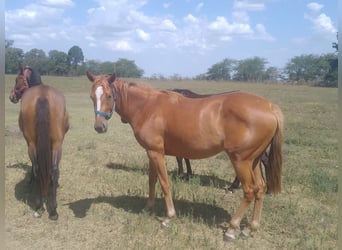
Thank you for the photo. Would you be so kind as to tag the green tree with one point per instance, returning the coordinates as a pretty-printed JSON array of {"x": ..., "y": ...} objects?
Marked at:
[
  {"x": 221, "y": 70},
  {"x": 330, "y": 77},
  {"x": 58, "y": 63},
  {"x": 75, "y": 58},
  {"x": 127, "y": 68},
  {"x": 250, "y": 69},
  {"x": 93, "y": 66},
  {"x": 106, "y": 67},
  {"x": 13, "y": 56},
  {"x": 36, "y": 58},
  {"x": 310, "y": 67},
  {"x": 271, "y": 74}
]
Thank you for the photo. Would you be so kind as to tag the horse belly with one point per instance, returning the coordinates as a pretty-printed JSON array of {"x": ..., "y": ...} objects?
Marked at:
[{"x": 196, "y": 147}]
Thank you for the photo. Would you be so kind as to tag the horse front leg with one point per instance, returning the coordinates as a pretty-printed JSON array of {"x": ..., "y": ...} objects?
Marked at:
[
  {"x": 158, "y": 164},
  {"x": 152, "y": 179}
]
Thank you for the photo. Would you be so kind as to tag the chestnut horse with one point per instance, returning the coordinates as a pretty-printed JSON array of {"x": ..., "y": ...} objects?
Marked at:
[
  {"x": 187, "y": 93},
  {"x": 241, "y": 124},
  {"x": 236, "y": 182},
  {"x": 43, "y": 120}
]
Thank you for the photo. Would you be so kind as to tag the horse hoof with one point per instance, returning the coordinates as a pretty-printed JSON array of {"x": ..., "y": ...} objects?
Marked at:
[
  {"x": 53, "y": 216},
  {"x": 247, "y": 232},
  {"x": 229, "y": 191},
  {"x": 228, "y": 236},
  {"x": 165, "y": 223},
  {"x": 147, "y": 211},
  {"x": 36, "y": 214}
]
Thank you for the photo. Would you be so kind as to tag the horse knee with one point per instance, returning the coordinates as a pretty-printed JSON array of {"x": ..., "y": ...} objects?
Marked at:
[{"x": 249, "y": 195}]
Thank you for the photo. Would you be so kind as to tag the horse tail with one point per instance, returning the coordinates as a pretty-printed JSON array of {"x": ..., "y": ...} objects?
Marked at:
[
  {"x": 44, "y": 151},
  {"x": 274, "y": 169}
]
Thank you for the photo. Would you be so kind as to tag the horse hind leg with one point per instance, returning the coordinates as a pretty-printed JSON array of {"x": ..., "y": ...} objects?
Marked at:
[
  {"x": 180, "y": 167},
  {"x": 52, "y": 193},
  {"x": 34, "y": 179},
  {"x": 235, "y": 185},
  {"x": 245, "y": 174},
  {"x": 258, "y": 203},
  {"x": 188, "y": 169}
]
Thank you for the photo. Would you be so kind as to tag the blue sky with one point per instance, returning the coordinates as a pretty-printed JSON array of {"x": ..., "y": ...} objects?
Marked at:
[{"x": 182, "y": 37}]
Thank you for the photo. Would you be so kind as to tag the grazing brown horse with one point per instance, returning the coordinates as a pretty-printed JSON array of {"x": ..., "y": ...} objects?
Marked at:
[
  {"x": 236, "y": 182},
  {"x": 43, "y": 120},
  {"x": 241, "y": 124}
]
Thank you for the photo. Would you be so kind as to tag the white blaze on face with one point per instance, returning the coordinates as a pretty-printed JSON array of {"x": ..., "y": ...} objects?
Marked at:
[{"x": 98, "y": 93}]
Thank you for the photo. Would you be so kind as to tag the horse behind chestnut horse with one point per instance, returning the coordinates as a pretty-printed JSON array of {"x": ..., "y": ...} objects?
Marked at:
[
  {"x": 44, "y": 121},
  {"x": 241, "y": 124}
]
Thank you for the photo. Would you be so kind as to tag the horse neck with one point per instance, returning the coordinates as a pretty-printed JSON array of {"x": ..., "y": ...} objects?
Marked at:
[{"x": 131, "y": 99}]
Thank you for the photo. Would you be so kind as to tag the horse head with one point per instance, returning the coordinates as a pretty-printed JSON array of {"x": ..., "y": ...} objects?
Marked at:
[
  {"x": 103, "y": 95},
  {"x": 21, "y": 84}
]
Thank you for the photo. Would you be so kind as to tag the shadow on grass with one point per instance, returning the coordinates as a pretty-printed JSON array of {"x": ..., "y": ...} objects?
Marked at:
[
  {"x": 20, "y": 165},
  {"x": 23, "y": 189},
  {"x": 204, "y": 180},
  {"x": 119, "y": 166},
  {"x": 201, "y": 212}
]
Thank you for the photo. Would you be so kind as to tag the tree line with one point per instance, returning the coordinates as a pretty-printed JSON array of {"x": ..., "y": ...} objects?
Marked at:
[
  {"x": 318, "y": 70},
  {"x": 60, "y": 63}
]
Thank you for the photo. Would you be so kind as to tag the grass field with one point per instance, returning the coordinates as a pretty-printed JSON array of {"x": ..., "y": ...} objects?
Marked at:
[{"x": 103, "y": 181}]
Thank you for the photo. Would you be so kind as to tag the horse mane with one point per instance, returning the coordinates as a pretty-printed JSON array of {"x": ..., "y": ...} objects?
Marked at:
[{"x": 34, "y": 79}]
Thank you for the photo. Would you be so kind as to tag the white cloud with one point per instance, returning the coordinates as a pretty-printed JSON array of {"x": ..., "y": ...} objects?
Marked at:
[
  {"x": 166, "y": 5},
  {"x": 314, "y": 6},
  {"x": 222, "y": 25},
  {"x": 143, "y": 35},
  {"x": 240, "y": 16},
  {"x": 160, "y": 46},
  {"x": 261, "y": 33},
  {"x": 248, "y": 6},
  {"x": 120, "y": 45},
  {"x": 167, "y": 25},
  {"x": 199, "y": 7},
  {"x": 191, "y": 19},
  {"x": 57, "y": 3},
  {"x": 321, "y": 23}
]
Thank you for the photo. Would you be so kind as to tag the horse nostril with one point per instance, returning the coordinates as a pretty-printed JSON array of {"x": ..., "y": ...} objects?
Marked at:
[{"x": 100, "y": 128}]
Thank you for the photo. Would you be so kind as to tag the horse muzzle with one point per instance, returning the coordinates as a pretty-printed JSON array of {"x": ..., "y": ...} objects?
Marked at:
[
  {"x": 101, "y": 126},
  {"x": 13, "y": 99}
]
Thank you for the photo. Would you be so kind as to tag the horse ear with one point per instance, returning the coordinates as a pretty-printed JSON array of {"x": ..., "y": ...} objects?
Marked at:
[
  {"x": 111, "y": 79},
  {"x": 90, "y": 76},
  {"x": 21, "y": 68}
]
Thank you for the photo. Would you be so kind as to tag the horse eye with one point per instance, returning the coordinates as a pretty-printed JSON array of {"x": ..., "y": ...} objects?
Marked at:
[{"x": 109, "y": 96}]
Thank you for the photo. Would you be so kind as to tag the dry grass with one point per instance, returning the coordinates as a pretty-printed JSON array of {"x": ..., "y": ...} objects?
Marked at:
[{"x": 104, "y": 185}]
